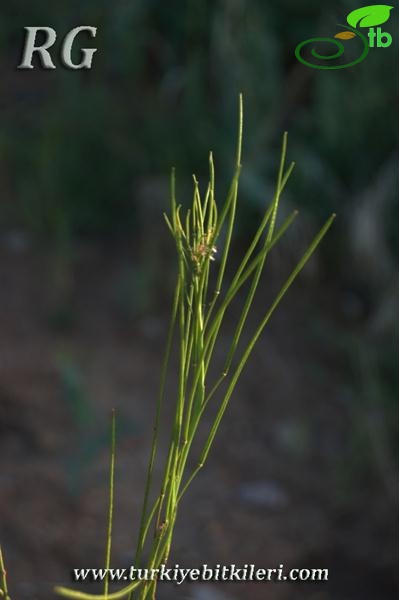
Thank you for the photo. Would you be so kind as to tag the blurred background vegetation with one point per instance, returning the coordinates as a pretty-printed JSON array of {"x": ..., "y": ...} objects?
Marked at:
[
  {"x": 85, "y": 160},
  {"x": 164, "y": 88}
]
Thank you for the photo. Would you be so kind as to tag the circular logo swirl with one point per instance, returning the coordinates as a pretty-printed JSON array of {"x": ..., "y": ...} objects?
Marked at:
[{"x": 340, "y": 51}]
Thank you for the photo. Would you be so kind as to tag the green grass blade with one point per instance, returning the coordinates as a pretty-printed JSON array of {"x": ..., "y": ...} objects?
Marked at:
[{"x": 111, "y": 505}]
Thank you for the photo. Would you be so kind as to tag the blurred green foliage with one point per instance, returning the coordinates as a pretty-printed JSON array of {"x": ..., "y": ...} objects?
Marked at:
[{"x": 163, "y": 91}]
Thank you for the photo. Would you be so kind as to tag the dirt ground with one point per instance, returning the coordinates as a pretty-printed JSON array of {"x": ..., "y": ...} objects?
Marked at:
[{"x": 282, "y": 486}]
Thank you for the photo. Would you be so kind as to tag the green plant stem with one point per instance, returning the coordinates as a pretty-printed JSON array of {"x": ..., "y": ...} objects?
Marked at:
[
  {"x": 251, "y": 345},
  {"x": 198, "y": 315},
  {"x": 3, "y": 578},
  {"x": 111, "y": 506},
  {"x": 143, "y": 527}
]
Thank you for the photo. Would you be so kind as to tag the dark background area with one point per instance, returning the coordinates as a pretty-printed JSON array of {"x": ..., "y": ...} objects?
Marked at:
[{"x": 305, "y": 471}]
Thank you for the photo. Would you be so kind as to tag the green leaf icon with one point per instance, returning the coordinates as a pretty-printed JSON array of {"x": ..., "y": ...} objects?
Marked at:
[{"x": 369, "y": 16}]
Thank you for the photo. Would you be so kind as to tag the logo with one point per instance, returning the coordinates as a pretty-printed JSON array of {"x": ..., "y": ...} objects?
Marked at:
[
  {"x": 31, "y": 48},
  {"x": 370, "y": 17}
]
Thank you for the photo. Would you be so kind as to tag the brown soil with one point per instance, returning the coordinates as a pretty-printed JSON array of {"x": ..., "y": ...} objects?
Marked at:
[{"x": 282, "y": 484}]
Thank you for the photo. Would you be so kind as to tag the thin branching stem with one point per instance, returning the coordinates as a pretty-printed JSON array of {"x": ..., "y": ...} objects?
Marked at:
[{"x": 198, "y": 317}]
